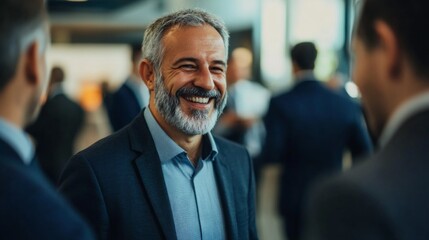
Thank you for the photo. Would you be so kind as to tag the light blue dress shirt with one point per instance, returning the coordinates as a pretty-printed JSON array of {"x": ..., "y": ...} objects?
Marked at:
[
  {"x": 192, "y": 191},
  {"x": 17, "y": 139}
]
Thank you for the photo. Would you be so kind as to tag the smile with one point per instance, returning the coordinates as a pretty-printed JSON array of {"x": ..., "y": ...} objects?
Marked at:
[{"x": 202, "y": 100}]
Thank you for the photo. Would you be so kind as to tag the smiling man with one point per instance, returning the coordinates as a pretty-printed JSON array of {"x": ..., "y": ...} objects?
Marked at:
[{"x": 165, "y": 176}]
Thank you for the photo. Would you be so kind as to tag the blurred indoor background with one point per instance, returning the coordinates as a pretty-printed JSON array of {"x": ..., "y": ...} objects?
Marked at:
[{"x": 91, "y": 41}]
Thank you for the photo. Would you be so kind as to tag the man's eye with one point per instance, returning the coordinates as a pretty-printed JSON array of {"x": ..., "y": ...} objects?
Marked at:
[
  {"x": 217, "y": 69},
  {"x": 188, "y": 67}
]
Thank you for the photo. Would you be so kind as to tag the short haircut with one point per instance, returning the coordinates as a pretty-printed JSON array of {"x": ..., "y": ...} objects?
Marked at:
[
  {"x": 409, "y": 23},
  {"x": 304, "y": 55},
  {"x": 57, "y": 75},
  {"x": 153, "y": 49},
  {"x": 21, "y": 22}
]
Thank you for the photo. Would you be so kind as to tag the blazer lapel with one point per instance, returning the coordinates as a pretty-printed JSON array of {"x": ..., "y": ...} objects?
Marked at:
[
  {"x": 150, "y": 171},
  {"x": 224, "y": 180}
]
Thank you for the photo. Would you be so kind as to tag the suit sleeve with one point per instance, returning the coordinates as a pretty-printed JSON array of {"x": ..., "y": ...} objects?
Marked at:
[
  {"x": 79, "y": 185},
  {"x": 343, "y": 211},
  {"x": 359, "y": 141}
]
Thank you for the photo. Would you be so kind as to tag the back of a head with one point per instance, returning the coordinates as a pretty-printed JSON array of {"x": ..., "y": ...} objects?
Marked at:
[
  {"x": 304, "y": 55},
  {"x": 136, "y": 52},
  {"x": 57, "y": 75},
  {"x": 152, "y": 43},
  {"x": 408, "y": 21},
  {"x": 21, "y": 22}
]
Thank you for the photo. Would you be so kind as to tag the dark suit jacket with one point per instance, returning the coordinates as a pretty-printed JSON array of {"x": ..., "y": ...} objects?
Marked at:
[
  {"x": 308, "y": 130},
  {"x": 122, "y": 107},
  {"x": 30, "y": 208},
  {"x": 385, "y": 197},
  {"x": 118, "y": 185},
  {"x": 55, "y": 131}
]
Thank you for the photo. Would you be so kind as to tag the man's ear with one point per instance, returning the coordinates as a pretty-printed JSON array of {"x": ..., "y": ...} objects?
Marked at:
[
  {"x": 391, "y": 53},
  {"x": 32, "y": 63},
  {"x": 147, "y": 74}
]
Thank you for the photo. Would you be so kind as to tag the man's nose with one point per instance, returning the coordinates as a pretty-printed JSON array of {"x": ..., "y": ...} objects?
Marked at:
[{"x": 205, "y": 79}]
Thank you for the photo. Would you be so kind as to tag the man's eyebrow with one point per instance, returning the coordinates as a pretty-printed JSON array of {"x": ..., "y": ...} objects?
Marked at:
[
  {"x": 186, "y": 59},
  {"x": 220, "y": 62}
]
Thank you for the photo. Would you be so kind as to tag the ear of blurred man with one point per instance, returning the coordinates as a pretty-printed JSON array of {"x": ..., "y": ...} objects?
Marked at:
[
  {"x": 35, "y": 78},
  {"x": 391, "y": 59}
]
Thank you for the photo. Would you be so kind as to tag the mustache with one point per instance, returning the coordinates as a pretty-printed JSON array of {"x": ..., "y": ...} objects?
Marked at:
[{"x": 198, "y": 92}]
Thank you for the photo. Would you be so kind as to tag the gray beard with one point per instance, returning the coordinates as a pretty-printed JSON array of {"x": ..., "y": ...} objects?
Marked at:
[{"x": 197, "y": 123}]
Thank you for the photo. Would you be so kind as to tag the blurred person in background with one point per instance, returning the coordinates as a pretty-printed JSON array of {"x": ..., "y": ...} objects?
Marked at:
[
  {"x": 164, "y": 176},
  {"x": 241, "y": 121},
  {"x": 30, "y": 208},
  {"x": 386, "y": 197},
  {"x": 308, "y": 130},
  {"x": 55, "y": 130},
  {"x": 337, "y": 82},
  {"x": 132, "y": 96}
]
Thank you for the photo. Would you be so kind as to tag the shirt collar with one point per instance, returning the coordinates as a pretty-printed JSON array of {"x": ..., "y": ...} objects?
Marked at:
[
  {"x": 56, "y": 90},
  {"x": 404, "y": 111},
  {"x": 304, "y": 76},
  {"x": 165, "y": 146},
  {"x": 17, "y": 139}
]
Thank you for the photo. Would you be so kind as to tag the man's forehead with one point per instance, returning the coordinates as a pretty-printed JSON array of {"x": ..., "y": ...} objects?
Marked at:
[{"x": 180, "y": 40}]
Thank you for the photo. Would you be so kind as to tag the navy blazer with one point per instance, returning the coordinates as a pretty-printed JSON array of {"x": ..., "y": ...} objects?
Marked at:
[
  {"x": 385, "y": 197},
  {"x": 122, "y": 107},
  {"x": 308, "y": 130},
  {"x": 118, "y": 185},
  {"x": 30, "y": 208}
]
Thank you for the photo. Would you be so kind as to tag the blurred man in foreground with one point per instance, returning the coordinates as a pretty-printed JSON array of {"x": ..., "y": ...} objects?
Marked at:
[
  {"x": 387, "y": 196},
  {"x": 30, "y": 208}
]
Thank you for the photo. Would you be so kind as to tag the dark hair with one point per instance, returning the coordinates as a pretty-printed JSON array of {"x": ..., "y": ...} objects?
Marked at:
[
  {"x": 20, "y": 21},
  {"x": 57, "y": 75},
  {"x": 136, "y": 52},
  {"x": 304, "y": 55},
  {"x": 408, "y": 21}
]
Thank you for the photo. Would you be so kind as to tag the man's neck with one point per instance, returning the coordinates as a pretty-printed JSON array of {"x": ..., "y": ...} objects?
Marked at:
[
  {"x": 193, "y": 148},
  {"x": 303, "y": 74},
  {"x": 191, "y": 144},
  {"x": 402, "y": 111}
]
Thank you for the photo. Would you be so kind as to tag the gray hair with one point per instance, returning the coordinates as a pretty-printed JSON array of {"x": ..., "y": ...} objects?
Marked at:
[
  {"x": 153, "y": 49},
  {"x": 21, "y": 23}
]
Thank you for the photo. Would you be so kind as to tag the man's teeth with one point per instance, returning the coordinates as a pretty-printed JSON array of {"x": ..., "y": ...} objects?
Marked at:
[{"x": 198, "y": 99}]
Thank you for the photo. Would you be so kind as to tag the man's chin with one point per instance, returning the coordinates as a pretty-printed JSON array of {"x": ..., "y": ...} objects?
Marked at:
[{"x": 198, "y": 123}]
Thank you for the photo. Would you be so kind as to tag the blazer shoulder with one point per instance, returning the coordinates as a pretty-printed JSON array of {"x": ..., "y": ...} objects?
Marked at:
[
  {"x": 47, "y": 215},
  {"x": 225, "y": 145},
  {"x": 109, "y": 147},
  {"x": 233, "y": 154}
]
